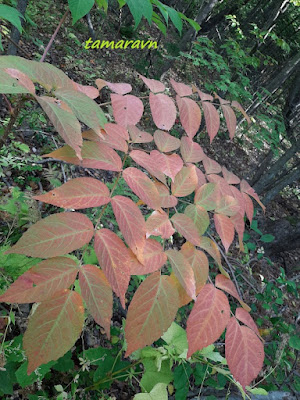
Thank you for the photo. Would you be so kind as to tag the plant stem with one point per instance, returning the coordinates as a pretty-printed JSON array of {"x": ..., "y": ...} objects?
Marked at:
[
  {"x": 15, "y": 44},
  {"x": 12, "y": 121}
]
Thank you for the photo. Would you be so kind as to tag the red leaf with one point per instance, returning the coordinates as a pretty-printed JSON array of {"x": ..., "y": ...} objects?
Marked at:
[
  {"x": 55, "y": 235},
  {"x": 246, "y": 188},
  {"x": 227, "y": 205},
  {"x": 230, "y": 177},
  {"x": 158, "y": 224},
  {"x": 183, "y": 271},
  {"x": 239, "y": 225},
  {"x": 94, "y": 155},
  {"x": 154, "y": 85},
  {"x": 208, "y": 318},
  {"x": 212, "y": 119},
  {"x": 116, "y": 130},
  {"x": 206, "y": 196},
  {"x": 186, "y": 227},
  {"x": 131, "y": 223},
  {"x": 230, "y": 119},
  {"x": 185, "y": 182},
  {"x": 127, "y": 110},
  {"x": 211, "y": 166},
  {"x": 248, "y": 207},
  {"x": 166, "y": 199},
  {"x": 97, "y": 294},
  {"x": 199, "y": 216},
  {"x": 153, "y": 259},
  {"x": 191, "y": 152},
  {"x": 190, "y": 115},
  {"x": 144, "y": 160},
  {"x": 115, "y": 259},
  {"x": 225, "y": 229},
  {"x": 77, "y": 193},
  {"x": 199, "y": 263},
  {"x": 53, "y": 328},
  {"x": 237, "y": 105},
  {"x": 211, "y": 248},
  {"x": 201, "y": 178},
  {"x": 22, "y": 79},
  {"x": 244, "y": 316},
  {"x": 228, "y": 286},
  {"x": 142, "y": 186},
  {"x": 166, "y": 142},
  {"x": 119, "y": 88},
  {"x": 239, "y": 198},
  {"x": 224, "y": 188},
  {"x": 115, "y": 142},
  {"x": 89, "y": 91},
  {"x": 181, "y": 89},
  {"x": 244, "y": 352},
  {"x": 42, "y": 281},
  {"x": 163, "y": 111},
  {"x": 151, "y": 311},
  {"x": 170, "y": 165},
  {"x": 184, "y": 298},
  {"x": 137, "y": 136}
]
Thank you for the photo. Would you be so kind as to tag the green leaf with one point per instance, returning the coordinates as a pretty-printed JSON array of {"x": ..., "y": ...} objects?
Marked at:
[
  {"x": 7, "y": 379},
  {"x": 162, "y": 9},
  {"x": 139, "y": 9},
  {"x": 12, "y": 15},
  {"x": 159, "y": 392},
  {"x": 182, "y": 374},
  {"x": 79, "y": 8},
  {"x": 64, "y": 363},
  {"x": 176, "y": 337},
  {"x": 294, "y": 342},
  {"x": 267, "y": 238},
  {"x": 152, "y": 376},
  {"x": 175, "y": 18},
  {"x": 193, "y": 23},
  {"x": 257, "y": 391},
  {"x": 102, "y": 4},
  {"x": 25, "y": 380},
  {"x": 156, "y": 19}
]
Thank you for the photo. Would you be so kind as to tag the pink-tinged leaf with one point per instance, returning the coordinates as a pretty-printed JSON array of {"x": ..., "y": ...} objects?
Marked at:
[
  {"x": 119, "y": 88},
  {"x": 89, "y": 91},
  {"x": 211, "y": 166},
  {"x": 246, "y": 188},
  {"x": 163, "y": 111},
  {"x": 151, "y": 311},
  {"x": 94, "y": 155},
  {"x": 183, "y": 271},
  {"x": 239, "y": 198},
  {"x": 166, "y": 199},
  {"x": 55, "y": 235},
  {"x": 229, "y": 177},
  {"x": 199, "y": 263},
  {"x": 186, "y": 227},
  {"x": 166, "y": 142},
  {"x": 237, "y": 105},
  {"x": 248, "y": 207},
  {"x": 191, "y": 152},
  {"x": 22, "y": 79},
  {"x": 77, "y": 193},
  {"x": 170, "y": 165},
  {"x": 185, "y": 182},
  {"x": 244, "y": 316},
  {"x": 230, "y": 120},
  {"x": 181, "y": 89},
  {"x": 42, "y": 281},
  {"x": 244, "y": 352},
  {"x": 239, "y": 225},
  {"x": 201, "y": 178},
  {"x": 212, "y": 249},
  {"x": 225, "y": 230},
  {"x": 116, "y": 130},
  {"x": 212, "y": 119},
  {"x": 208, "y": 318},
  {"x": 138, "y": 136},
  {"x": 190, "y": 115},
  {"x": 206, "y": 196},
  {"x": 228, "y": 286},
  {"x": 158, "y": 224},
  {"x": 142, "y": 186},
  {"x": 131, "y": 223},
  {"x": 199, "y": 216},
  {"x": 97, "y": 294},
  {"x": 144, "y": 160},
  {"x": 154, "y": 85},
  {"x": 127, "y": 110},
  {"x": 153, "y": 259},
  {"x": 227, "y": 205},
  {"x": 224, "y": 187},
  {"x": 115, "y": 142},
  {"x": 114, "y": 259},
  {"x": 64, "y": 121},
  {"x": 203, "y": 96},
  {"x": 184, "y": 298},
  {"x": 53, "y": 329}
]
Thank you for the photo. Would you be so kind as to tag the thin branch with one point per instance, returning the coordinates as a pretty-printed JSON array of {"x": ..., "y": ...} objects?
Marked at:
[{"x": 15, "y": 44}]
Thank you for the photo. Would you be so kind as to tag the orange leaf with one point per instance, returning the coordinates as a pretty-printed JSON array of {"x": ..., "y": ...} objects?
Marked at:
[
  {"x": 191, "y": 152},
  {"x": 199, "y": 263},
  {"x": 206, "y": 196},
  {"x": 181, "y": 89},
  {"x": 184, "y": 298},
  {"x": 144, "y": 160},
  {"x": 225, "y": 229},
  {"x": 55, "y": 235},
  {"x": 212, "y": 249},
  {"x": 246, "y": 188},
  {"x": 151, "y": 311},
  {"x": 127, "y": 110},
  {"x": 244, "y": 352},
  {"x": 228, "y": 286},
  {"x": 166, "y": 199},
  {"x": 158, "y": 224},
  {"x": 166, "y": 142},
  {"x": 153, "y": 259},
  {"x": 248, "y": 207},
  {"x": 97, "y": 294},
  {"x": 185, "y": 181},
  {"x": 186, "y": 227},
  {"x": 208, "y": 318},
  {"x": 227, "y": 205},
  {"x": 163, "y": 111},
  {"x": 199, "y": 216},
  {"x": 190, "y": 115},
  {"x": 244, "y": 316},
  {"x": 170, "y": 165}
]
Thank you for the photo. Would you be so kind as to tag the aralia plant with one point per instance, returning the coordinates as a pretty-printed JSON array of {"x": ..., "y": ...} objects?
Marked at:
[{"x": 174, "y": 171}]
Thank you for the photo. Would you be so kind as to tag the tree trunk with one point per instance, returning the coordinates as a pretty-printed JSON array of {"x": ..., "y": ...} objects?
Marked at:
[
  {"x": 287, "y": 236},
  {"x": 15, "y": 34}
]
